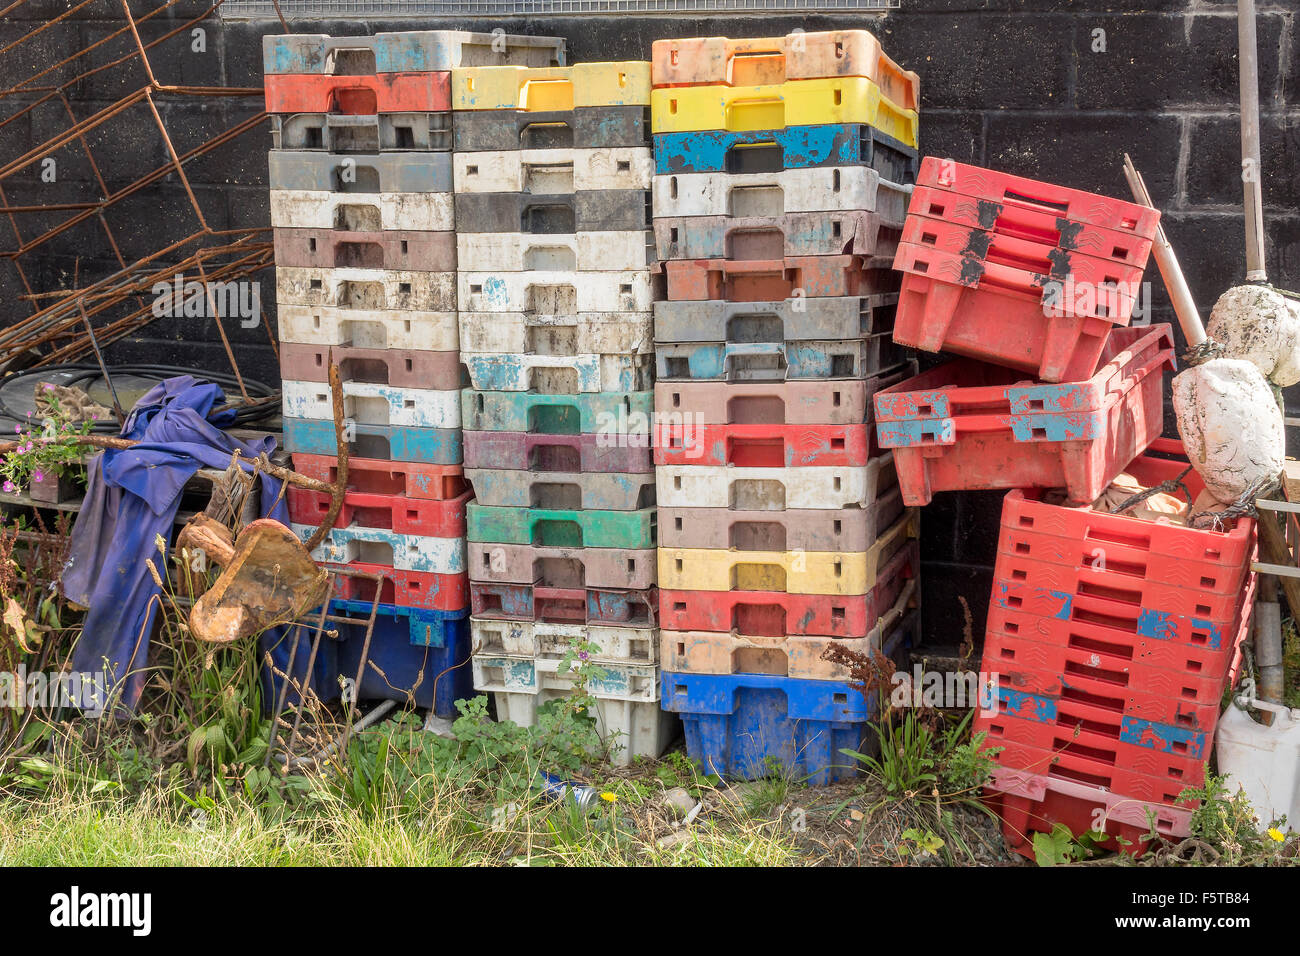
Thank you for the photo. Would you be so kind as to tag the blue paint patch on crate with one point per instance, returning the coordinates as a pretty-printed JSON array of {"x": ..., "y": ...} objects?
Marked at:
[
  {"x": 1006, "y": 591},
  {"x": 1028, "y": 706},
  {"x": 1163, "y": 626},
  {"x": 830, "y": 144},
  {"x": 905, "y": 434},
  {"x": 1026, "y": 399},
  {"x": 1163, "y": 737},
  {"x": 434, "y": 446},
  {"x": 1056, "y": 426}
]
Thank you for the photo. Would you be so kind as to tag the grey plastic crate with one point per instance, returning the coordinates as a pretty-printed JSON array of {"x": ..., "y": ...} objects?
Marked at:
[
  {"x": 773, "y": 237},
  {"x": 589, "y": 210},
  {"x": 557, "y": 490},
  {"x": 429, "y": 172},
  {"x": 776, "y": 361},
  {"x": 790, "y": 320},
  {"x": 585, "y": 127},
  {"x": 412, "y": 51},
  {"x": 333, "y": 133}
]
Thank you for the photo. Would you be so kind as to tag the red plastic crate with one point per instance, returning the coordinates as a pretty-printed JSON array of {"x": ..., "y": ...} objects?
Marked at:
[
  {"x": 769, "y": 280},
  {"x": 358, "y": 95},
  {"x": 1111, "y": 560},
  {"x": 434, "y": 519},
  {"x": 1096, "y": 746},
  {"x": 1165, "y": 545},
  {"x": 1027, "y": 221},
  {"x": 1165, "y": 696},
  {"x": 1051, "y": 590},
  {"x": 1004, "y": 315},
  {"x": 1009, "y": 191},
  {"x": 526, "y": 602},
  {"x": 1029, "y": 803},
  {"x": 763, "y": 446},
  {"x": 379, "y": 477},
  {"x": 966, "y": 425},
  {"x": 777, "y": 614},
  {"x": 442, "y": 592},
  {"x": 400, "y": 249},
  {"x": 988, "y": 246},
  {"x": 1096, "y": 767}
]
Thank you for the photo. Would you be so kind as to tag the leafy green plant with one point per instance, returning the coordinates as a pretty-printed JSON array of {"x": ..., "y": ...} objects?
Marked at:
[
  {"x": 1225, "y": 820},
  {"x": 1061, "y": 846}
]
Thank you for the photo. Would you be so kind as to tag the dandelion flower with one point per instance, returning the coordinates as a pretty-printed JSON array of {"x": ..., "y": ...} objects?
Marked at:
[
  {"x": 609, "y": 797},
  {"x": 1276, "y": 835}
]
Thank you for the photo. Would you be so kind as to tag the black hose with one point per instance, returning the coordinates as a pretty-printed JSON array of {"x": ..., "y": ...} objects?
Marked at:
[{"x": 85, "y": 374}]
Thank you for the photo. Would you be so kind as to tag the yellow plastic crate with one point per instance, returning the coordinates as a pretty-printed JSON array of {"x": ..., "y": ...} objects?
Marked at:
[
  {"x": 842, "y": 99},
  {"x": 793, "y": 572},
  {"x": 548, "y": 89}
]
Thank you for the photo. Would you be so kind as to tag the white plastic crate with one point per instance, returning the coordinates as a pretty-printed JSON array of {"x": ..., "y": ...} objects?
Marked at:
[
  {"x": 555, "y": 293},
  {"x": 362, "y": 212},
  {"x": 369, "y": 289},
  {"x": 369, "y": 403},
  {"x": 628, "y": 716},
  {"x": 554, "y": 171},
  {"x": 558, "y": 374},
  {"x": 807, "y": 189},
  {"x": 575, "y": 252},
  {"x": 406, "y": 552},
  {"x": 374, "y": 329},
  {"x": 619, "y": 645},
  {"x": 774, "y": 489},
  {"x": 594, "y": 333}
]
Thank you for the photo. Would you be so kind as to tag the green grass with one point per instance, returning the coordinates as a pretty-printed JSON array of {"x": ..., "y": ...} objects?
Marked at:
[{"x": 448, "y": 828}]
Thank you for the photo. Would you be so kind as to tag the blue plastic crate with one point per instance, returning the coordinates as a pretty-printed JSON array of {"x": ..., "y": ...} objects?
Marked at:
[
  {"x": 416, "y": 655},
  {"x": 737, "y": 725},
  {"x": 410, "y": 649},
  {"x": 831, "y": 144}
]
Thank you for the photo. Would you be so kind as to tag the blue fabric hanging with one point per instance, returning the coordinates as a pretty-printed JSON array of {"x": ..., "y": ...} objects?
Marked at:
[{"x": 132, "y": 497}]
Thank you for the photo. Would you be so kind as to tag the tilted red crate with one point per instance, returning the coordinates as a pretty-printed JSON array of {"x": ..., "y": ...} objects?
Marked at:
[
  {"x": 358, "y": 95},
  {"x": 1032, "y": 321},
  {"x": 1040, "y": 224},
  {"x": 434, "y": 519},
  {"x": 1072, "y": 205},
  {"x": 1016, "y": 252},
  {"x": 968, "y": 425}
]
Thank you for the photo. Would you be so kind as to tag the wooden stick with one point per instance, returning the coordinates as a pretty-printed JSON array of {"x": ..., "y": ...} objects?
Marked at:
[
  {"x": 1252, "y": 173},
  {"x": 1172, "y": 274}
]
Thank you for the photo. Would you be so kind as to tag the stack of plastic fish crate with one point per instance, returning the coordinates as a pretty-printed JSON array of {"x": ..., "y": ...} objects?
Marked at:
[
  {"x": 363, "y": 217},
  {"x": 1114, "y": 626},
  {"x": 780, "y": 192},
  {"x": 552, "y": 177}
]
